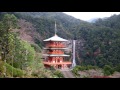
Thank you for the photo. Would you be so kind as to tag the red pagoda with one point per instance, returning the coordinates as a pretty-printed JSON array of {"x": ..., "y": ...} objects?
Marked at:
[{"x": 55, "y": 55}]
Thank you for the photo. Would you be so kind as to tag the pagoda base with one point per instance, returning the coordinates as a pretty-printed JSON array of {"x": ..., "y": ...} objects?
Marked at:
[{"x": 61, "y": 65}]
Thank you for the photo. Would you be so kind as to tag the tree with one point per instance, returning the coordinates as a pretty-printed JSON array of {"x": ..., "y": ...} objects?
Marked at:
[{"x": 8, "y": 23}]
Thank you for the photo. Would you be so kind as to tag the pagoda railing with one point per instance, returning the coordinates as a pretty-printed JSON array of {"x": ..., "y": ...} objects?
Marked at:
[
  {"x": 56, "y": 46},
  {"x": 57, "y": 62},
  {"x": 55, "y": 52}
]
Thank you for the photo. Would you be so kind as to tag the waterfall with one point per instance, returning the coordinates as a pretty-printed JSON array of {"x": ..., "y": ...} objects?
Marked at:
[{"x": 73, "y": 62}]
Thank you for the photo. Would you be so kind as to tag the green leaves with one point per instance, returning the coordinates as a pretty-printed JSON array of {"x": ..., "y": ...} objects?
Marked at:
[
  {"x": 24, "y": 54},
  {"x": 10, "y": 21},
  {"x": 58, "y": 74},
  {"x": 108, "y": 70},
  {"x": 16, "y": 72}
]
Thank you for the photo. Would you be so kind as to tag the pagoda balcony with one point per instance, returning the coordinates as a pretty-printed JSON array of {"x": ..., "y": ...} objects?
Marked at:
[
  {"x": 56, "y": 46},
  {"x": 55, "y": 53},
  {"x": 56, "y": 63}
]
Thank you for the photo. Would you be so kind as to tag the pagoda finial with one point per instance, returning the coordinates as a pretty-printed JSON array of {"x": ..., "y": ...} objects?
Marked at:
[{"x": 55, "y": 28}]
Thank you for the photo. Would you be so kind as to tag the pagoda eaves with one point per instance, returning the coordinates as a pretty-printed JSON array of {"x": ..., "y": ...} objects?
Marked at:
[{"x": 55, "y": 38}]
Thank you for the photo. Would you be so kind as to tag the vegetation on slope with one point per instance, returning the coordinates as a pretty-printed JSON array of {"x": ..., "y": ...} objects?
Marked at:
[
  {"x": 18, "y": 57},
  {"x": 97, "y": 43}
]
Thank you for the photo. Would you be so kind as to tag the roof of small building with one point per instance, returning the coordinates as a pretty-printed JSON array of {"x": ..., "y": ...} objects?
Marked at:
[{"x": 55, "y": 38}]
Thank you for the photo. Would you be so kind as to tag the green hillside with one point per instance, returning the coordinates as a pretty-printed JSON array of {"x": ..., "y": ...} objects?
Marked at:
[{"x": 22, "y": 35}]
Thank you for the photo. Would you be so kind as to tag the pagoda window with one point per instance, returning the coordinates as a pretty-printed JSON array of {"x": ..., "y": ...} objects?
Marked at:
[
  {"x": 50, "y": 50},
  {"x": 54, "y": 43},
  {"x": 57, "y": 57},
  {"x": 53, "y": 58},
  {"x": 53, "y": 61},
  {"x": 56, "y": 51},
  {"x": 59, "y": 52},
  {"x": 57, "y": 43}
]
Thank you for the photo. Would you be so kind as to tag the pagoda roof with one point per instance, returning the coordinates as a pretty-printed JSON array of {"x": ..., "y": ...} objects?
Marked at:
[{"x": 55, "y": 38}]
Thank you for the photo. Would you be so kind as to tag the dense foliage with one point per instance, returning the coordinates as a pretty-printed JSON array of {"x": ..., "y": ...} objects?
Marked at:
[
  {"x": 98, "y": 43},
  {"x": 18, "y": 58},
  {"x": 101, "y": 43},
  {"x": 82, "y": 68}
]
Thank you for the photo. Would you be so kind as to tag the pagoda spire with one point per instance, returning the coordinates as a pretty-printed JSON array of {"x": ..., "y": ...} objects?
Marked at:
[{"x": 55, "y": 28}]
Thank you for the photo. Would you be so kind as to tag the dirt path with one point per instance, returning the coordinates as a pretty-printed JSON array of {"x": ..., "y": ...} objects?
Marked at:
[{"x": 67, "y": 74}]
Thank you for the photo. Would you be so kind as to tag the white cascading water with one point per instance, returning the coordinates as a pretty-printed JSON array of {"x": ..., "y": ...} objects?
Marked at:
[{"x": 73, "y": 63}]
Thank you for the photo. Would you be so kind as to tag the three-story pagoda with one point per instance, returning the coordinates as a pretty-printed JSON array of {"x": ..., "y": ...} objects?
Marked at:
[{"x": 55, "y": 56}]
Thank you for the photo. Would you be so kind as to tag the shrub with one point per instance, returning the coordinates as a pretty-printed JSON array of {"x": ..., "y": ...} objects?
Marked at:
[
  {"x": 16, "y": 72},
  {"x": 58, "y": 74},
  {"x": 1, "y": 66},
  {"x": 75, "y": 70},
  {"x": 80, "y": 68},
  {"x": 117, "y": 68},
  {"x": 107, "y": 70},
  {"x": 1, "y": 69},
  {"x": 91, "y": 67}
]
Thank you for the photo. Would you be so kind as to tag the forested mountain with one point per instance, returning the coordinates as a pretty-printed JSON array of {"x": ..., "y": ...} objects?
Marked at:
[{"x": 97, "y": 43}]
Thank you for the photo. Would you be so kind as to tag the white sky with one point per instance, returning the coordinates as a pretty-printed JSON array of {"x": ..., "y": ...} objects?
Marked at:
[{"x": 89, "y": 15}]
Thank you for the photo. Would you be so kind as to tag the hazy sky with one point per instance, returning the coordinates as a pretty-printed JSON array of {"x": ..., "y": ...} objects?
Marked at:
[{"x": 89, "y": 15}]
